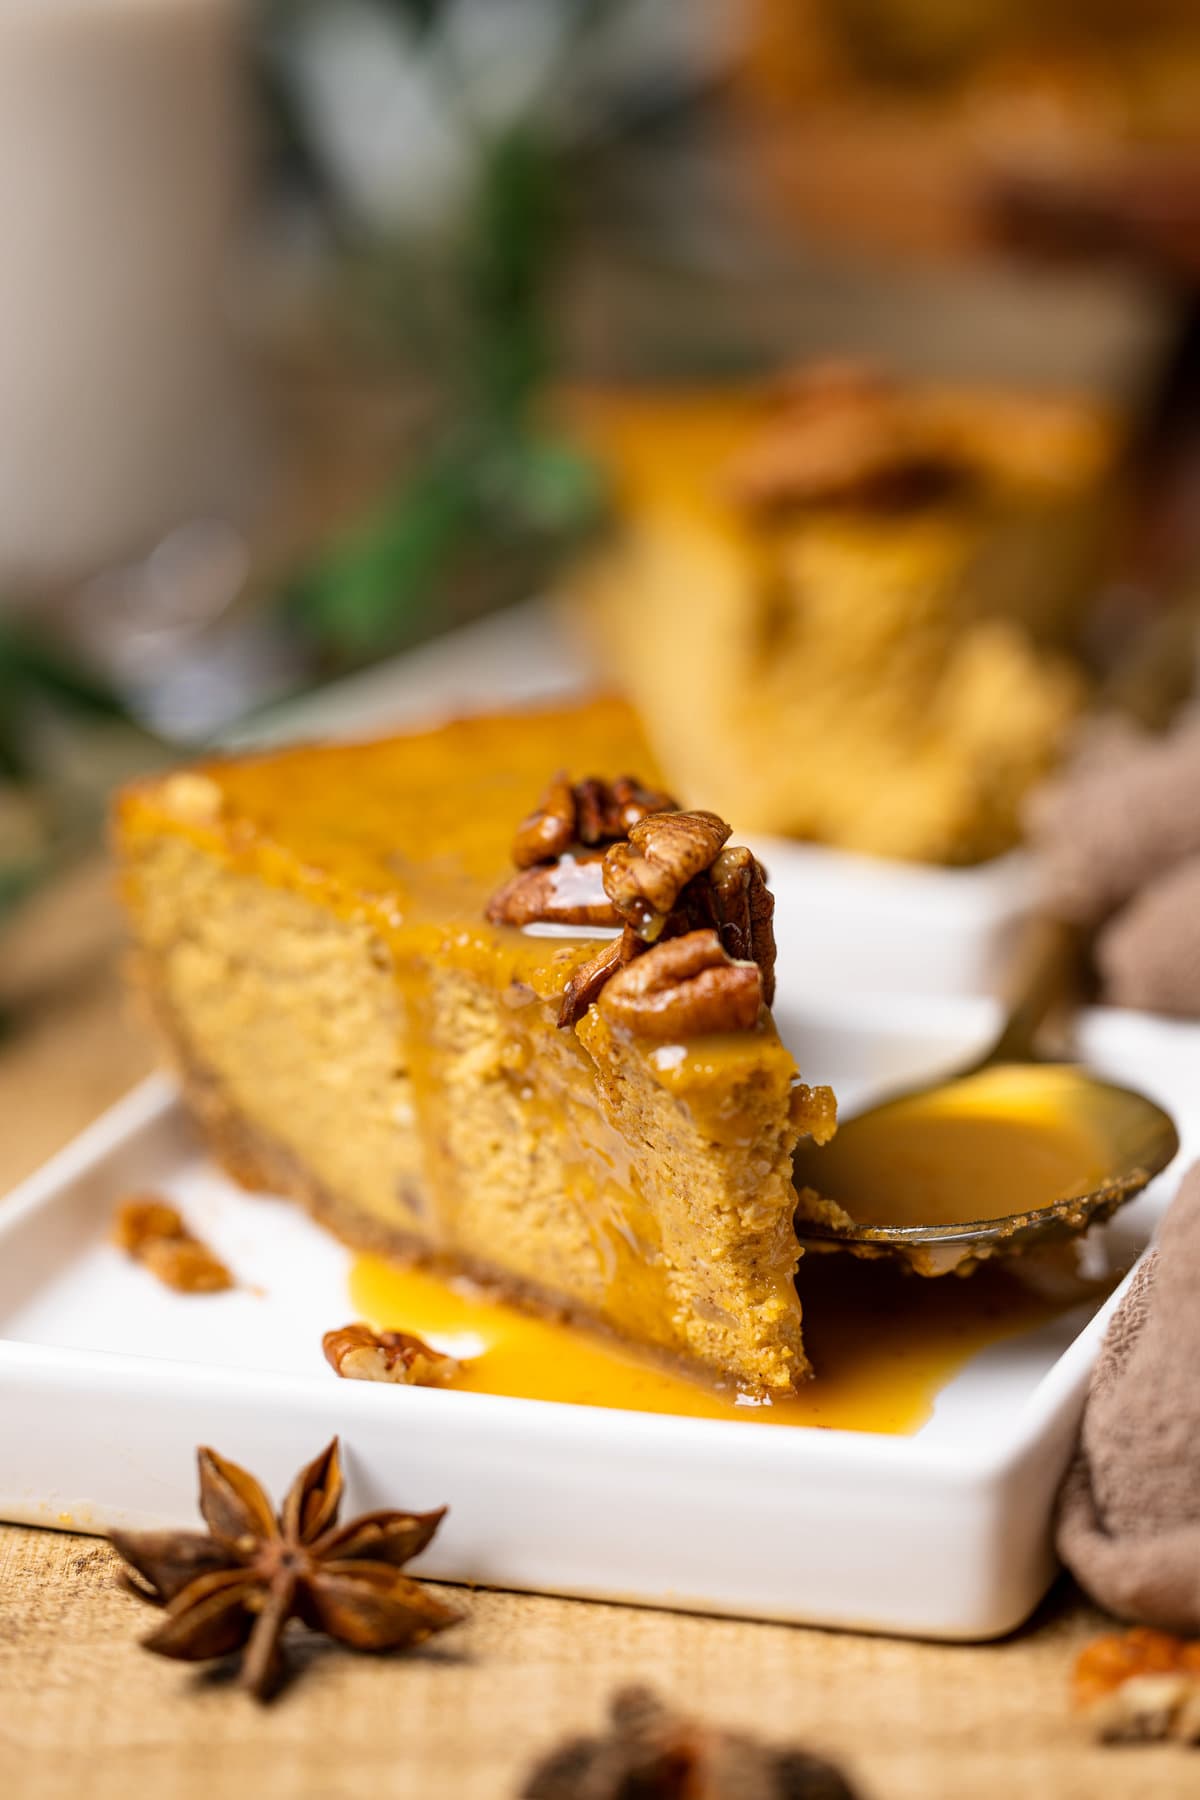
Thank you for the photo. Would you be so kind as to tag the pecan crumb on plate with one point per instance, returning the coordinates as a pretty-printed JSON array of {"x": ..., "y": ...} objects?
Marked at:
[
  {"x": 153, "y": 1233},
  {"x": 357, "y": 1353},
  {"x": 1140, "y": 1685}
]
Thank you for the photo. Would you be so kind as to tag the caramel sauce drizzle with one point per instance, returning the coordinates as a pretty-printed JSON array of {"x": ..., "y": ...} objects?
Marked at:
[{"x": 884, "y": 1343}]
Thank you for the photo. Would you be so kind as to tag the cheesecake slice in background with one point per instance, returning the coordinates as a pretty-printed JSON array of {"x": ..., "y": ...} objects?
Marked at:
[{"x": 845, "y": 607}]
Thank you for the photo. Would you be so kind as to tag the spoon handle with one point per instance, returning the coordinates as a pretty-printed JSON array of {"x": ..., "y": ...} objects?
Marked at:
[{"x": 1047, "y": 961}]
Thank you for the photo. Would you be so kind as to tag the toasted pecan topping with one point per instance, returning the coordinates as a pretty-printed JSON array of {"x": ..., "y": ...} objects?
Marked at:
[
  {"x": 550, "y": 828},
  {"x": 831, "y": 382},
  {"x": 843, "y": 432},
  {"x": 609, "y": 810},
  {"x": 665, "y": 874},
  {"x": 357, "y": 1353},
  {"x": 645, "y": 877},
  {"x": 567, "y": 892},
  {"x": 685, "y": 987},
  {"x": 589, "y": 812},
  {"x": 745, "y": 912},
  {"x": 588, "y": 980},
  {"x": 674, "y": 879},
  {"x": 153, "y": 1233},
  {"x": 1140, "y": 1684}
]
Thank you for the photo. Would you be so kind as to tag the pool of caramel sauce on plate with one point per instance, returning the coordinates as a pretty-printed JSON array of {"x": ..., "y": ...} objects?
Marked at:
[{"x": 884, "y": 1343}]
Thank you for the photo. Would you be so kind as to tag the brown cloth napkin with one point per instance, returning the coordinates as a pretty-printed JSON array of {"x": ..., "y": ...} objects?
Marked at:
[
  {"x": 1116, "y": 841},
  {"x": 1123, "y": 811},
  {"x": 1149, "y": 956},
  {"x": 1129, "y": 1510}
]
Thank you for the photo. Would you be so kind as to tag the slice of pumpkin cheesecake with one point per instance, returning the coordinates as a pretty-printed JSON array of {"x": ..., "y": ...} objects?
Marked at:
[{"x": 532, "y": 1048}]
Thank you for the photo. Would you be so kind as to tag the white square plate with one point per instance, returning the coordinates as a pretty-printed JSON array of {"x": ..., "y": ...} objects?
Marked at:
[{"x": 107, "y": 1384}]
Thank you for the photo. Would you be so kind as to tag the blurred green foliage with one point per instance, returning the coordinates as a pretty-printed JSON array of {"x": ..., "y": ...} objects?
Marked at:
[{"x": 492, "y": 488}]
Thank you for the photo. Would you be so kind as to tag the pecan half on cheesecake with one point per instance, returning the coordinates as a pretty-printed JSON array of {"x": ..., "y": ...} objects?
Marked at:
[{"x": 564, "y": 1081}]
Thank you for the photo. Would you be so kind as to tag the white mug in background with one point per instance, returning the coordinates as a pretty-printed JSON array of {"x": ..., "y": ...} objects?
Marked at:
[{"x": 122, "y": 154}]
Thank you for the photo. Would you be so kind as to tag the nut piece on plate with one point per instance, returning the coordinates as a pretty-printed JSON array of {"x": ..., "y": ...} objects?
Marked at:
[
  {"x": 358, "y": 1353},
  {"x": 153, "y": 1233},
  {"x": 684, "y": 988},
  {"x": 657, "y": 1754},
  {"x": 1140, "y": 1685}
]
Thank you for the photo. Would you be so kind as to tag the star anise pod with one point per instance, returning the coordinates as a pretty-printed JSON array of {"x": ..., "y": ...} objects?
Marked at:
[
  {"x": 237, "y": 1587},
  {"x": 653, "y": 1753}
]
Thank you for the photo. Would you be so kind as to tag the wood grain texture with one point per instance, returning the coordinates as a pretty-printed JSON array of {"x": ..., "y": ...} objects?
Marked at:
[
  {"x": 87, "y": 1715},
  {"x": 83, "y": 1711}
]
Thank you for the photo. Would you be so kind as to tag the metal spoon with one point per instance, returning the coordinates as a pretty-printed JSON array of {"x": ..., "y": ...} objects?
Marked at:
[{"x": 1135, "y": 1138}]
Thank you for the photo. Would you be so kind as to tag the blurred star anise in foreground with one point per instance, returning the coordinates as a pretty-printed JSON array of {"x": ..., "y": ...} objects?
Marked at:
[
  {"x": 237, "y": 1587},
  {"x": 653, "y": 1753}
]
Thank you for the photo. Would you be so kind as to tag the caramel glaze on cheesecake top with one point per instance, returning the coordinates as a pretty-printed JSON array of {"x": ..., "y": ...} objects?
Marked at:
[{"x": 353, "y": 1031}]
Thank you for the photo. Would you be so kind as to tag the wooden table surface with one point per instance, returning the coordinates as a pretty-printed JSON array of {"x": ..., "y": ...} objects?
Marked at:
[{"x": 85, "y": 1712}]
